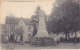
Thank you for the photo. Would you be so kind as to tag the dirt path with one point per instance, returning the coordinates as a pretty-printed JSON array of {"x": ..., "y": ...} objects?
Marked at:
[{"x": 28, "y": 46}]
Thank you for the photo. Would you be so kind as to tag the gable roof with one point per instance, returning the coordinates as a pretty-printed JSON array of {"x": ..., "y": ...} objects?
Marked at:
[
  {"x": 14, "y": 21},
  {"x": 27, "y": 21}
]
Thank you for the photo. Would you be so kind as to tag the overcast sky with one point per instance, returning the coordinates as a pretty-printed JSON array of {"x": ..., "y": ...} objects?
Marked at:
[{"x": 24, "y": 9}]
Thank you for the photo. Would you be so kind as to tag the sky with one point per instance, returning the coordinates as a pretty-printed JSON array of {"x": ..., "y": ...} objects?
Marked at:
[{"x": 24, "y": 9}]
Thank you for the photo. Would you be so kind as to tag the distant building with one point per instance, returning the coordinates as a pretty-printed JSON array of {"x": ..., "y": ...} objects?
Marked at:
[
  {"x": 3, "y": 33},
  {"x": 14, "y": 25}
]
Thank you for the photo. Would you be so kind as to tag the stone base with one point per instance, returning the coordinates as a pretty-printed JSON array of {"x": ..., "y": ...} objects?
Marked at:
[
  {"x": 41, "y": 41},
  {"x": 42, "y": 33}
]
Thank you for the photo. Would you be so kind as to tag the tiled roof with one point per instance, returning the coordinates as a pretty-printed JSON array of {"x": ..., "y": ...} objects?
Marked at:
[
  {"x": 11, "y": 20},
  {"x": 14, "y": 21}
]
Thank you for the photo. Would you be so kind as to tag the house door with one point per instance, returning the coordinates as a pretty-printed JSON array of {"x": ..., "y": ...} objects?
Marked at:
[
  {"x": 12, "y": 38},
  {"x": 21, "y": 37},
  {"x": 21, "y": 33}
]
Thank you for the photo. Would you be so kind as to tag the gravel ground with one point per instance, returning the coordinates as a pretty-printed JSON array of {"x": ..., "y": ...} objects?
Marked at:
[{"x": 12, "y": 46}]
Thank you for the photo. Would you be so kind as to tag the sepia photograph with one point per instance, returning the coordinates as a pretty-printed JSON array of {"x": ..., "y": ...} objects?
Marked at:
[{"x": 39, "y": 24}]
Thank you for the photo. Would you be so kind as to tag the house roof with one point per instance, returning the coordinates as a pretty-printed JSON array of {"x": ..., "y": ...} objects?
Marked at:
[
  {"x": 27, "y": 21},
  {"x": 11, "y": 20},
  {"x": 14, "y": 20}
]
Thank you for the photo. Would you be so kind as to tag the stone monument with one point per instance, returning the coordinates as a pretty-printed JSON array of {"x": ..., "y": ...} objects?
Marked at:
[
  {"x": 42, "y": 37},
  {"x": 42, "y": 32}
]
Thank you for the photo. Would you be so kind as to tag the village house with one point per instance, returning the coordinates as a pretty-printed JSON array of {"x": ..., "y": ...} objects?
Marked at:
[
  {"x": 13, "y": 26},
  {"x": 27, "y": 29}
]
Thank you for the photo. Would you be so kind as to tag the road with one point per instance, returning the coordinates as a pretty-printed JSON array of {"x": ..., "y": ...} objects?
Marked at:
[{"x": 12, "y": 46}]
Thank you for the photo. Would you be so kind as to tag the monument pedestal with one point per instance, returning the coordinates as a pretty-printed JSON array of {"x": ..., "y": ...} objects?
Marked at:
[{"x": 42, "y": 33}]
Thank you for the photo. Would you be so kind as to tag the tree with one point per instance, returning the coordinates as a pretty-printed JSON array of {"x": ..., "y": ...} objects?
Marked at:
[
  {"x": 66, "y": 17},
  {"x": 35, "y": 20},
  {"x": 72, "y": 15}
]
